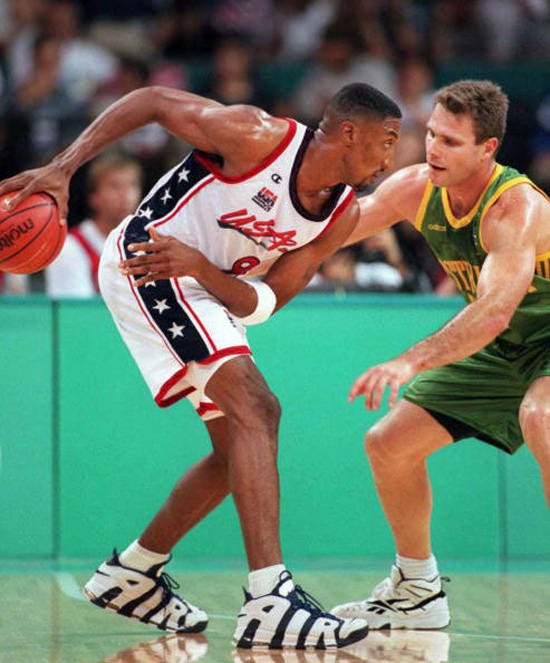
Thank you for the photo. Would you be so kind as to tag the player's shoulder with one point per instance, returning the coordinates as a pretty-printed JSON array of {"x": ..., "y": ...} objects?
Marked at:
[
  {"x": 254, "y": 119},
  {"x": 518, "y": 199},
  {"x": 413, "y": 177},
  {"x": 405, "y": 189}
]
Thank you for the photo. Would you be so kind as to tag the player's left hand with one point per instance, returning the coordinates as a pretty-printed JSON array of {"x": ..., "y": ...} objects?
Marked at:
[
  {"x": 163, "y": 257},
  {"x": 373, "y": 382}
]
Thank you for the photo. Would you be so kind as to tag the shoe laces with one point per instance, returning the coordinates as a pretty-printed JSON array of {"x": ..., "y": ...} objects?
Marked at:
[
  {"x": 167, "y": 584},
  {"x": 306, "y": 600}
]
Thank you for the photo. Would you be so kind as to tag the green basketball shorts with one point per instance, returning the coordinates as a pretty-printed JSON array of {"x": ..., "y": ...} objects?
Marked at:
[{"x": 482, "y": 392}]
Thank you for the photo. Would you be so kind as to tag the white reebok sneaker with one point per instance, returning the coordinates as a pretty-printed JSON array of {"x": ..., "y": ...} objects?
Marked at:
[
  {"x": 290, "y": 617},
  {"x": 145, "y": 596},
  {"x": 399, "y": 602}
]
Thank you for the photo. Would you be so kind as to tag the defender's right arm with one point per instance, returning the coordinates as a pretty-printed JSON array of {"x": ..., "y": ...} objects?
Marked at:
[{"x": 397, "y": 198}]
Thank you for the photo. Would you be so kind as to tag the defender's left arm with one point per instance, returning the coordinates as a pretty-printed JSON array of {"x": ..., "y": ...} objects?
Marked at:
[
  {"x": 509, "y": 234},
  {"x": 166, "y": 257}
]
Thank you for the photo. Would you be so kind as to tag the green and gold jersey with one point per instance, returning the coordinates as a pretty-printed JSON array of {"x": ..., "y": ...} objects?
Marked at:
[{"x": 458, "y": 245}]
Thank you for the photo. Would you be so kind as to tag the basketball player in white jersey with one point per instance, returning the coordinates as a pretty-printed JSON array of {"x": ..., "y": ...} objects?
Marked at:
[{"x": 259, "y": 195}]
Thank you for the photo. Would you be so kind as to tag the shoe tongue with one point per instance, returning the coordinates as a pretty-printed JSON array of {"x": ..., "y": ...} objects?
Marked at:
[
  {"x": 286, "y": 584},
  {"x": 286, "y": 587},
  {"x": 396, "y": 575},
  {"x": 155, "y": 570}
]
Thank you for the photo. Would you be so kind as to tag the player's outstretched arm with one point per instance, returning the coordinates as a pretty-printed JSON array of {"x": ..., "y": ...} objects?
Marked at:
[
  {"x": 242, "y": 134},
  {"x": 396, "y": 199},
  {"x": 510, "y": 236}
]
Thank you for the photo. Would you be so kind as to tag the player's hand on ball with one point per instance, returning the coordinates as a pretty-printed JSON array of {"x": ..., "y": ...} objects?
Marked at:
[
  {"x": 50, "y": 179},
  {"x": 373, "y": 382},
  {"x": 163, "y": 257}
]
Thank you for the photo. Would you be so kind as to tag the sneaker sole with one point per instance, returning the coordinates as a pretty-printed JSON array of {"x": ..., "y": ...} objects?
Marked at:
[{"x": 112, "y": 607}]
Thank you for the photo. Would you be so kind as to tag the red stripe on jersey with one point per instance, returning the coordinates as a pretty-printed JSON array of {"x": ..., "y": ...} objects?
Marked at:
[
  {"x": 338, "y": 212},
  {"x": 144, "y": 311},
  {"x": 183, "y": 202},
  {"x": 261, "y": 166},
  {"x": 92, "y": 254},
  {"x": 160, "y": 398}
]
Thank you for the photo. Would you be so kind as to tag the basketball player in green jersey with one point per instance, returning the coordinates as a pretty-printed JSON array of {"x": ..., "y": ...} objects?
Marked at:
[{"x": 486, "y": 373}]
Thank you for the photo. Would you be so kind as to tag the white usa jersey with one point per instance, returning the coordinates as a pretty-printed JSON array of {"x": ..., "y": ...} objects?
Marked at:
[{"x": 241, "y": 224}]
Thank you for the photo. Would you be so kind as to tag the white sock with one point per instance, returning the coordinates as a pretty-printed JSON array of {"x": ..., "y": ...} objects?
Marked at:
[
  {"x": 262, "y": 581},
  {"x": 138, "y": 557},
  {"x": 417, "y": 568}
]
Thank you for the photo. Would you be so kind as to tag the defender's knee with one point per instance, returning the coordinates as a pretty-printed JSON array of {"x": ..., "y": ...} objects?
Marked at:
[
  {"x": 386, "y": 450},
  {"x": 535, "y": 418}
]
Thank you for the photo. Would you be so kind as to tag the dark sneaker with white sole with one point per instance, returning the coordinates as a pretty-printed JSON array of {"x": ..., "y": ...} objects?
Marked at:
[
  {"x": 147, "y": 596},
  {"x": 290, "y": 617}
]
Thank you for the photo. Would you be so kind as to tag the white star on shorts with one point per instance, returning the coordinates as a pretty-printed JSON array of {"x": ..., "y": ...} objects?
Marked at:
[
  {"x": 147, "y": 212},
  {"x": 166, "y": 197},
  {"x": 176, "y": 330},
  {"x": 183, "y": 174},
  {"x": 161, "y": 305}
]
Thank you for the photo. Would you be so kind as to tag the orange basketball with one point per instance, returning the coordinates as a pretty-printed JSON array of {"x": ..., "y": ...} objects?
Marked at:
[{"x": 30, "y": 234}]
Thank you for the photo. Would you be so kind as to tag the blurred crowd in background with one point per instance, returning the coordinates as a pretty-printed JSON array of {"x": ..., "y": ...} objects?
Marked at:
[{"x": 63, "y": 61}]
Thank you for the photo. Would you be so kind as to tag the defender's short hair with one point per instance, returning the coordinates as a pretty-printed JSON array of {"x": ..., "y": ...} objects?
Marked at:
[
  {"x": 362, "y": 99},
  {"x": 483, "y": 101}
]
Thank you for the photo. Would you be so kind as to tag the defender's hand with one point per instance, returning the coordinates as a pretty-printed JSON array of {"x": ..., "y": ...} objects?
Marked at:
[
  {"x": 50, "y": 179},
  {"x": 164, "y": 257},
  {"x": 373, "y": 382}
]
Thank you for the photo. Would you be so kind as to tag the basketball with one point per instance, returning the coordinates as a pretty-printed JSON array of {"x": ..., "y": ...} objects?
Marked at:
[{"x": 30, "y": 234}]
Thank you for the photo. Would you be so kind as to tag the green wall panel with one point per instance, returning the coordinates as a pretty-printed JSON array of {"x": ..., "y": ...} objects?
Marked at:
[
  {"x": 527, "y": 528},
  {"x": 120, "y": 454},
  {"x": 115, "y": 455},
  {"x": 26, "y": 470}
]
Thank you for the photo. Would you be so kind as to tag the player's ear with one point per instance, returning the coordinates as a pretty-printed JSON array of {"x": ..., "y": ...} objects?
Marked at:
[
  {"x": 348, "y": 132},
  {"x": 490, "y": 147}
]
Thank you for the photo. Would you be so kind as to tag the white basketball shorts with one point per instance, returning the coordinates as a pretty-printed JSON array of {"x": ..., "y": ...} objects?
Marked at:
[{"x": 178, "y": 334}]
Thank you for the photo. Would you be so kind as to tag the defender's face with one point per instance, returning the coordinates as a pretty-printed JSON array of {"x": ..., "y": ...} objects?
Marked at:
[
  {"x": 452, "y": 153},
  {"x": 372, "y": 151}
]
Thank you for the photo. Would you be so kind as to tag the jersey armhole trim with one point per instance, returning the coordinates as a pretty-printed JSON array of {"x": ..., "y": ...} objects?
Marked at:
[
  {"x": 342, "y": 207},
  {"x": 281, "y": 147},
  {"x": 522, "y": 179},
  {"x": 421, "y": 212}
]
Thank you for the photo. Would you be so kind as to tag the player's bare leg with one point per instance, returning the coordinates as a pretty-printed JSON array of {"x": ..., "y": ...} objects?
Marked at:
[
  {"x": 252, "y": 414},
  {"x": 397, "y": 447},
  {"x": 411, "y": 597},
  {"x": 534, "y": 419},
  {"x": 197, "y": 493}
]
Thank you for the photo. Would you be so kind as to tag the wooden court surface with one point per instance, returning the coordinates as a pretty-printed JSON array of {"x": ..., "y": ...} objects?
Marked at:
[{"x": 497, "y": 618}]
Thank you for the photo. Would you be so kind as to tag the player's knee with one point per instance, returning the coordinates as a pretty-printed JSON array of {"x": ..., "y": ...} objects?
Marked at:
[
  {"x": 534, "y": 418},
  {"x": 256, "y": 407},
  {"x": 382, "y": 449}
]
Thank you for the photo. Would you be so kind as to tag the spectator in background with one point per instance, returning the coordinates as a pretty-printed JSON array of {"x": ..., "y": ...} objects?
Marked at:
[
  {"x": 415, "y": 92},
  {"x": 44, "y": 116},
  {"x": 14, "y": 284},
  {"x": 232, "y": 80},
  {"x": 84, "y": 65},
  {"x": 114, "y": 191},
  {"x": 300, "y": 25},
  {"x": 338, "y": 65},
  {"x": 20, "y": 29}
]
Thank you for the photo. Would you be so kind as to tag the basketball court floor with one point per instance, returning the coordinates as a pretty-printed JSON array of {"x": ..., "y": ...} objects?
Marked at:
[{"x": 497, "y": 618}]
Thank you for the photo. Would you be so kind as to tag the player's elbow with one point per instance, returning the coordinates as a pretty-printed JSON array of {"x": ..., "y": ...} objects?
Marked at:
[{"x": 499, "y": 320}]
